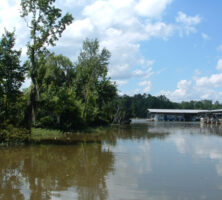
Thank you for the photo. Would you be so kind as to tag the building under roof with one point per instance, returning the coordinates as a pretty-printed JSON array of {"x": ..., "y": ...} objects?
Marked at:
[
  {"x": 216, "y": 111},
  {"x": 177, "y": 111},
  {"x": 182, "y": 114}
]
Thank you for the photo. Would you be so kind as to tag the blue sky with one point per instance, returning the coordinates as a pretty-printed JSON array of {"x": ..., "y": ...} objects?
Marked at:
[{"x": 170, "y": 47}]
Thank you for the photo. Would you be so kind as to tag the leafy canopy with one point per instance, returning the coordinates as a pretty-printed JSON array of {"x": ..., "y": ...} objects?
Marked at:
[{"x": 11, "y": 77}]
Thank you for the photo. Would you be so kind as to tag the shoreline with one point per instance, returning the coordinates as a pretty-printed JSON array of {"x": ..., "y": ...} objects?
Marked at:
[{"x": 41, "y": 136}]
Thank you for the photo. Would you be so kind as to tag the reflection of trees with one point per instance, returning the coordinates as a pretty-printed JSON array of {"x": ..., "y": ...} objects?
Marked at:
[
  {"x": 187, "y": 128},
  {"x": 55, "y": 168},
  {"x": 158, "y": 131},
  {"x": 43, "y": 170},
  {"x": 9, "y": 179},
  {"x": 132, "y": 132}
]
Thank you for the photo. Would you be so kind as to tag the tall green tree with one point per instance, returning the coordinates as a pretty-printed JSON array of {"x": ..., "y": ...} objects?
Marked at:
[
  {"x": 46, "y": 25},
  {"x": 93, "y": 86},
  {"x": 11, "y": 77},
  {"x": 59, "y": 107}
]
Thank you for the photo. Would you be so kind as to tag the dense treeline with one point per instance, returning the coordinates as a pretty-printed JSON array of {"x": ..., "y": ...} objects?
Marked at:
[
  {"x": 204, "y": 104},
  {"x": 137, "y": 105},
  {"x": 12, "y": 74},
  {"x": 70, "y": 95},
  {"x": 65, "y": 94},
  {"x": 75, "y": 95}
]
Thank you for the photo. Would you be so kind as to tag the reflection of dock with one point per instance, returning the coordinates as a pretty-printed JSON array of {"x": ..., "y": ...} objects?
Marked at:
[{"x": 204, "y": 116}]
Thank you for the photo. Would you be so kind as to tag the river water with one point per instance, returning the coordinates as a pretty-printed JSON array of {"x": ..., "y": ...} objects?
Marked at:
[{"x": 143, "y": 161}]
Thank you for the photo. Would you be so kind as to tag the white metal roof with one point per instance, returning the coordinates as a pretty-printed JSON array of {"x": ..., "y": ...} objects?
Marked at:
[
  {"x": 175, "y": 111},
  {"x": 216, "y": 111}
]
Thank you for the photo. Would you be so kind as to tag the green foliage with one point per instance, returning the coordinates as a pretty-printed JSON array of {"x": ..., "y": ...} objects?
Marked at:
[
  {"x": 46, "y": 121},
  {"x": 125, "y": 109},
  {"x": 10, "y": 134},
  {"x": 74, "y": 96},
  {"x": 45, "y": 22},
  {"x": 46, "y": 25},
  {"x": 203, "y": 104},
  {"x": 58, "y": 107},
  {"x": 137, "y": 105},
  {"x": 93, "y": 88},
  {"x": 11, "y": 78},
  {"x": 64, "y": 95}
]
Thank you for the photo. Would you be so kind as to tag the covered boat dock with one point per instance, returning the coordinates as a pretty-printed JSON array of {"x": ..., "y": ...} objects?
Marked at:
[{"x": 182, "y": 114}]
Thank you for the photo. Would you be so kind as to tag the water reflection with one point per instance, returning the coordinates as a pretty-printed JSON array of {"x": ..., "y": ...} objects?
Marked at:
[
  {"x": 143, "y": 161},
  {"x": 37, "y": 172},
  {"x": 171, "y": 161}
]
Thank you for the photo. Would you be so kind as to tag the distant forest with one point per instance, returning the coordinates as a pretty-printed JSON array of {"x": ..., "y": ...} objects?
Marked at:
[{"x": 137, "y": 105}]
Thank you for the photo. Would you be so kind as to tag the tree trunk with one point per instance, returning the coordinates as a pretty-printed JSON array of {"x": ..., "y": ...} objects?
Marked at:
[
  {"x": 28, "y": 116},
  {"x": 30, "y": 111},
  {"x": 58, "y": 119}
]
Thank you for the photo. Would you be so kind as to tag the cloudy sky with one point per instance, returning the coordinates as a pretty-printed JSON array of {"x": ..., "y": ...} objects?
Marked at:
[{"x": 170, "y": 47}]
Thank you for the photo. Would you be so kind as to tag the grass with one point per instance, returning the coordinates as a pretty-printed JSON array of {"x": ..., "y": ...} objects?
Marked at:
[
  {"x": 39, "y": 133},
  {"x": 47, "y": 136}
]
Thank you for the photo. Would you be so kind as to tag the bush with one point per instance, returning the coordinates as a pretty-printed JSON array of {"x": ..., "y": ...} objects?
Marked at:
[
  {"x": 14, "y": 135},
  {"x": 46, "y": 122}
]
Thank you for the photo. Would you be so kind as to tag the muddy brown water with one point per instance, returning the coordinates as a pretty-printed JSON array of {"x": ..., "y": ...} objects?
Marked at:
[{"x": 143, "y": 161}]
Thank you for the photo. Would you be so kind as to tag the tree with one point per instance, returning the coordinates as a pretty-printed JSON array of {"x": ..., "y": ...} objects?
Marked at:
[
  {"x": 124, "y": 110},
  {"x": 92, "y": 83},
  {"x": 106, "y": 101},
  {"x": 11, "y": 77},
  {"x": 46, "y": 25},
  {"x": 59, "y": 107}
]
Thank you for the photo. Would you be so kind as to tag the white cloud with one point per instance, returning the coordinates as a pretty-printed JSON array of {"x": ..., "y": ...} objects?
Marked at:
[
  {"x": 79, "y": 28},
  {"x": 143, "y": 83},
  {"x": 9, "y": 12},
  {"x": 10, "y": 19},
  {"x": 121, "y": 82},
  {"x": 138, "y": 72},
  {"x": 193, "y": 91},
  {"x": 219, "y": 64},
  {"x": 120, "y": 72},
  {"x": 152, "y": 8},
  {"x": 107, "y": 13},
  {"x": 200, "y": 87},
  {"x": 147, "y": 86},
  {"x": 214, "y": 80},
  {"x": 143, "y": 73},
  {"x": 150, "y": 62},
  {"x": 159, "y": 29},
  {"x": 182, "y": 92},
  {"x": 120, "y": 26},
  {"x": 188, "y": 23},
  {"x": 187, "y": 20},
  {"x": 205, "y": 36}
]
